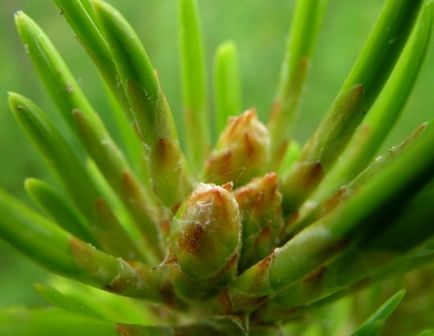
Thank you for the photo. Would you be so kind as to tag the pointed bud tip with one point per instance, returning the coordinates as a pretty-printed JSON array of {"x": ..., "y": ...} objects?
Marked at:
[
  {"x": 228, "y": 186},
  {"x": 262, "y": 186},
  {"x": 271, "y": 178},
  {"x": 239, "y": 126}
]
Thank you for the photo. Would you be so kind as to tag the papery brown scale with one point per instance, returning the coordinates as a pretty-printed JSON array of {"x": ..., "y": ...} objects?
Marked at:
[
  {"x": 224, "y": 301},
  {"x": 129, "y": 185},
  {"x": 192, "y": 240},
  {"x": 335, "y": 200},
  {"x": 312, "y": 174},
  {"x": 250, "y": 145}
]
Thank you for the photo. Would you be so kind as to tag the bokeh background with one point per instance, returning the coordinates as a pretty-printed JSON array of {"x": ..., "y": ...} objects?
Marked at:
[{"x": 258, "y": 27}]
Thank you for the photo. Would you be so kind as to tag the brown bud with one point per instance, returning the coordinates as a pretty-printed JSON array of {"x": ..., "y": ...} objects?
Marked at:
[
  {"x": 242, "y": 151},
  {"x": 206, "y": 233},
  {"x": 261, "y": 217}
]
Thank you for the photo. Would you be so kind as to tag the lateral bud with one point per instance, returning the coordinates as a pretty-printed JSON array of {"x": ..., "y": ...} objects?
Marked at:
[
  {"x": 242, "y": 151},
  {"x": 260, "y": 207},
  {"x": 205, "y": 236}
]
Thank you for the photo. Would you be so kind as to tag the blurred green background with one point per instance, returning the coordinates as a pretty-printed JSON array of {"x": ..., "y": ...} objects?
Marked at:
[{"x": 259, "y": 29}]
